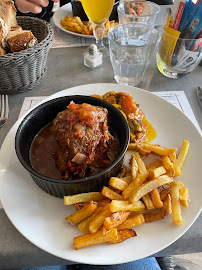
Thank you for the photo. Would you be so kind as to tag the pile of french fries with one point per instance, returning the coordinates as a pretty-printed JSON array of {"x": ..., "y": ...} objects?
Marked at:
[
  {"x": 76, "y": 25},
  {"x": 142, "y": 193}
]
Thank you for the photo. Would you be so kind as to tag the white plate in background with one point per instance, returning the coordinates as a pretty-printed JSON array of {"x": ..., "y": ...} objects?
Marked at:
[{"x": 60, "y": 14}]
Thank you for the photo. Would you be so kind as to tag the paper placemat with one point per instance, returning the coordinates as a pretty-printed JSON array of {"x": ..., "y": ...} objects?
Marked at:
[{"x": 177, "y": 98}]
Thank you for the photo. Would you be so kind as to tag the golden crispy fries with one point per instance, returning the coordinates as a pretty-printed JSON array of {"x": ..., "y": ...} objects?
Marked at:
[
  {"x": 148, "y": 202},
  {"x": 94, "y": 238},
  {"x": 167, "y": 206},
  {"x": 156, "y": 199},
  {"x": 148, "y": 187},
  {"x": 134, "y": 167},
  {"x": 98, "y": 220},
  {"x": 123, "y": 235},
  {"x": 176, "y": 210},
  {"x": 183, "y": 153},
  {"x": 168, "y": 165},
  {"x": 139, "y": 149},
  {"x": 83, "y": 197},
  {"x": 124, "y": 171},
  {"x": 84, "y": 225},
  {"x": 141, "y": 167},
  {"x": 133, "y": 185},
  {"x": 180, "y": 184},
  {"x": 157, "y": 149},
  {"x": 83, "y": 27},
  {"x": 154, "y": 217},
  {"x": 110, "y": 194},
  {"x": 118, "y": 183},
  {"x": 164, "y": 193},
  {"x": 115, "y": 219},
  {"x": 116, "y": 206},
  {"x": 131, "y": 222},
  {"x": 155, "y": 173},
  {"x": 82, "y": 213},
  {"x": 184, "y": 196},
  {"x": 79, "y": 205},
  {"x": 148, "y": 194},
  {"x": 127, "y": 179},
  {"x": 175, "y": 164},
  {"x": 154, "y": 165},
  {"x": 79, "y": 21}
]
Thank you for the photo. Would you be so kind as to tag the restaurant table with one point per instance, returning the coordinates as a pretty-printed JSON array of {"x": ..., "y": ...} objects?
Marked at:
[{"x": 65, "y": 70}]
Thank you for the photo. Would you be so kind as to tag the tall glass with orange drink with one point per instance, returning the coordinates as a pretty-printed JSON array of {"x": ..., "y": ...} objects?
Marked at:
[{"x": 98, "y": 12}]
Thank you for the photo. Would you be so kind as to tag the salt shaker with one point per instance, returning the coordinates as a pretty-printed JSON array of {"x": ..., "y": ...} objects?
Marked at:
[{"x": 93, "y": 57}]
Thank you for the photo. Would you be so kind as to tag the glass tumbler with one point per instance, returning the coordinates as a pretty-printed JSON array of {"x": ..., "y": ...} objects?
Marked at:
[
  {"x": 129, "y": 11},
  {"x": 177, "y": 57},
  {"x": 131, "y": 46}
]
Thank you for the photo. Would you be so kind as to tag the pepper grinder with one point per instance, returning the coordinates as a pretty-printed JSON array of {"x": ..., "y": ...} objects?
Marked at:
[{"x": 92, "y": 57}]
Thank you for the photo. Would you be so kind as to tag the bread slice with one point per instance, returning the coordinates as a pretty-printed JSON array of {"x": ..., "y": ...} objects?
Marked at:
[
  {"x": 2, "y": 51},
  {"x": 12, "y": 37},
  {"x": 20, "y": 40},
  {"x": 8, "y": 13}
]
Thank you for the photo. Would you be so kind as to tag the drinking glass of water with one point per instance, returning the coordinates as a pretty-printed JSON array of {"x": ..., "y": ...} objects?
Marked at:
[{"x": 131, "y": 46}]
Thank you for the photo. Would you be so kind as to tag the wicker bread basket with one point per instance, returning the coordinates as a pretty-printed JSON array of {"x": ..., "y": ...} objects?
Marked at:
[{"x": 22, "y": 71}]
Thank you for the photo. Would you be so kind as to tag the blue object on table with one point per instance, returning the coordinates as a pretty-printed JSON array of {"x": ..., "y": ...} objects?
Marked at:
[{"x": 143, "y": 264}]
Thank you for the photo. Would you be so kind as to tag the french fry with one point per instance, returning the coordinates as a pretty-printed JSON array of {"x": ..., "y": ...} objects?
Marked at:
[
  {"x": 180, "y": 184},
  {"x": 131, "y": 222},
  {"x": 82, "y": 213},
  {"x": 168, "y": 165},
  {"x": 70, "y": 28},
  {"x": 155, "y": 173},
  {"x": 148, "y": 187},
  {"x": 157, "y": 149},
  {"x": 148, "y": 202},
  {"x": 175, "y": 164},
  {"x": 139, "y": 149},
  {"x": 123, "y": 235},
  {"x": 184, "y": 196},
  {"x": 110, "y": 194},
  {"x": 164, "y": 193},
  {"x": 118, "y": 183},
  {"x": 127, "y": 179},
  {"x": 156, "y": 199},
  {"x": 79, "y": 205},
  {"x": 176, "y": 210},
  {"x": 154, "y": 217},
  {"x": 183, "y": 153},
  {"x": 116, "y": 206},
  {"x": 84, "y": 224},
  {"x": 171, "y": 173},
  {"x": 133, "y": 185},
  {"x": 103, "y": 202},
  {"x": 94, "y": 238},
  {"x": 141, "y": 167},
  {"x": 115, "y": 219},
  {"x": 134, "y": 167},
  {"x": 124, "y": 171},
  {"x": 167, "y": 206},
  {"x": 83, "y": 197},
  {"x": 153, "y": 165},
  {"x": 84, "y": 27},
  {"x": 98, "y": 220},
  {"x": 79, "y": 21}
]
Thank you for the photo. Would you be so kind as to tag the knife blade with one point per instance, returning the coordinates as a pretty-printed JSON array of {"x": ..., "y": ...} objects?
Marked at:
[{"x": 199, "y": 95}]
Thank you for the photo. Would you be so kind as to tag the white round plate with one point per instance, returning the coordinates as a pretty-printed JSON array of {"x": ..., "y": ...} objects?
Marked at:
[
  {"x": 60, "y": 14},
  {"x": 41, "y": 217}
]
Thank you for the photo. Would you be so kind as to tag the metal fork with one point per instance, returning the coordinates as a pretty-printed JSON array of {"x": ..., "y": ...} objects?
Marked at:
[{"x": 4, "y": 109}]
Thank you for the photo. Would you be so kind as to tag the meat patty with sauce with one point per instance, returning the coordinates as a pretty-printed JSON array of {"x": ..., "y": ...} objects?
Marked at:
[{"x": 84, "y": 143}]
